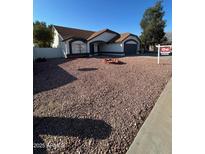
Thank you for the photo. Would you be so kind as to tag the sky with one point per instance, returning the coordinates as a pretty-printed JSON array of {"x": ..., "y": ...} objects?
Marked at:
[{"x": 118, "y": 15}]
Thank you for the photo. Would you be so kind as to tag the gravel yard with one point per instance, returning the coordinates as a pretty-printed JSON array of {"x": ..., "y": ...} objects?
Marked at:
[{"x": 85, "y": 106}]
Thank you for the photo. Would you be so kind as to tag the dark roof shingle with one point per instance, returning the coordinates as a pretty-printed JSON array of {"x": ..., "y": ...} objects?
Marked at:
[
  {"x": 100, "y": 32},
  {"x": 122, "y": 37},
  {"x": 67, "y": 33}
]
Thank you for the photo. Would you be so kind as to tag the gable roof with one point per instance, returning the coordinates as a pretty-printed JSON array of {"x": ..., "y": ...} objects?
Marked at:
[
  {"x": 100, "y": 32},
  {"x": 67, "y": 33},
  {"x": 124, "y": 36}
]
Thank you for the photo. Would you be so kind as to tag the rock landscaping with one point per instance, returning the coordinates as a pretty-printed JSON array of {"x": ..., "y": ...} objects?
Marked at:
[{"x": 82, "y": 105}]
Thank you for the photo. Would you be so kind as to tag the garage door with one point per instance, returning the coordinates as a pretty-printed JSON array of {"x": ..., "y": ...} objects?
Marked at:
[{"x": 130, "y": 49}]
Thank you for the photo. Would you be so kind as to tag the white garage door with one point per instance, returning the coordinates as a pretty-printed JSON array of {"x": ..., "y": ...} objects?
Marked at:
[{"x": 78, "y": 47}]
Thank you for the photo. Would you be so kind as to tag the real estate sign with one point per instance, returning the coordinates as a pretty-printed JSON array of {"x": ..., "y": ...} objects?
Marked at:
[{"x": 163, "y": 50}]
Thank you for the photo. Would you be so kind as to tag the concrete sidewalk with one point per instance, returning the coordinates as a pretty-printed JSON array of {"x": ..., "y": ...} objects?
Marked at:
[{"x": 155, "y": 135}]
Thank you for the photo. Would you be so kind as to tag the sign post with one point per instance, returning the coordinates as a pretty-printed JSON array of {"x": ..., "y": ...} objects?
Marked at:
[{"x": 158, "y": 53}]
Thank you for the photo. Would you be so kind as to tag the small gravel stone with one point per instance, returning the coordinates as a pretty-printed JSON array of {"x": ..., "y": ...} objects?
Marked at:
[{"x": 120, "y": 96}]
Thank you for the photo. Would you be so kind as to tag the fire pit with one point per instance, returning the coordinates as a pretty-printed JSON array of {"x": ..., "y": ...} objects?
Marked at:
[{"x": 112, "y": 61}]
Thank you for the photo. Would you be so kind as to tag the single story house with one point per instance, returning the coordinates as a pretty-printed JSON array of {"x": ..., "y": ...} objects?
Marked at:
[{"x": 77, "y": 41}]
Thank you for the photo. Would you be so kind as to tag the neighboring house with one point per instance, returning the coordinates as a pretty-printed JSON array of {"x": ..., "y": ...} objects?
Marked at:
[
  {"x": 168, "y": 36},
  {"x": 78, "y": 41}
]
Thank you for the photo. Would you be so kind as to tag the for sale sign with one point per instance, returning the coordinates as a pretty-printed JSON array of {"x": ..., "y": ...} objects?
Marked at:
[{"x": 165, "y": 50}]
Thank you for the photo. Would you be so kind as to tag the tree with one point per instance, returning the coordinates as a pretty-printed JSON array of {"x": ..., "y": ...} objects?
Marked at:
[
  {"x": 42, "y": 34},
  {"x": 153, "y": 25}
]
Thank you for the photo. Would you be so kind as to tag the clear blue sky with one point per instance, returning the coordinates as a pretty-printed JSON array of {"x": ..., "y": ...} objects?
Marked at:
[{"x": 118, "y": 15}]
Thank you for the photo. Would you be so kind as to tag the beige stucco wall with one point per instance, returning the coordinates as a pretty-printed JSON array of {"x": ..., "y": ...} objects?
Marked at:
[
  {"x": 106, "y": 36},
  {"x": 103, "y": 37},
  {"x": 57, "y": 39},
  {"x": 57, "y": 43}
]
